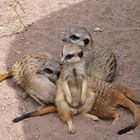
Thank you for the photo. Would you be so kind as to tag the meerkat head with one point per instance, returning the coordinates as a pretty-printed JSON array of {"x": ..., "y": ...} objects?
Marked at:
[
  {"x": 51, "y": 70},
  {"x": 79, "y": 36},
  {"x": 71, "y": 54}
]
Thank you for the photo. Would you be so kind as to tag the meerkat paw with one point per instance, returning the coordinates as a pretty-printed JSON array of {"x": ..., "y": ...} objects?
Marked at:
[
  {"x": 72, "y": 130},
  {"x": 71, "y": 127},
  {"x": 115, "y": 119},
  {"x": 69, "y": 101},
  {"x": 24, "y": 96},
  {"x": 74, "y": 111},
  {"x": 75, "y": 104},
  {"x": 93, "y": 117},
  {"x": 82, "y": 102}
]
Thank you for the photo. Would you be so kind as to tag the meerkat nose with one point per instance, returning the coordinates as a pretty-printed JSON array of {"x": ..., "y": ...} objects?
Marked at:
[
  {"x": 65, "y": 39},
  {"x": 61, "y": 63}
]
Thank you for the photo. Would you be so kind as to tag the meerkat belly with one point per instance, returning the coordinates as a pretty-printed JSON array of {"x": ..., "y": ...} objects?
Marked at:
[{"x": 75, "y": 85}]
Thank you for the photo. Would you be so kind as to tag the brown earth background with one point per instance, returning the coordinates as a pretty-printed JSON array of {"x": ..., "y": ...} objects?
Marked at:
[{"x": 47, "y": 21}]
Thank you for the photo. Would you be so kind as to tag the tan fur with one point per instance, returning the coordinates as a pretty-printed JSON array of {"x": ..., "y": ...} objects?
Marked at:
[
  {"x": 27, "y": 74},
  {"x": 109, "y": 96},
  {"x": 101, "y": 62},
  {"x": 73, "y": 93}
]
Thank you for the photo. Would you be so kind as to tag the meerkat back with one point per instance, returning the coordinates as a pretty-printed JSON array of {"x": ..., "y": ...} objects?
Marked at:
[
  {"x": 101, "y": 62},
  {"x": 37, "y": 73}
]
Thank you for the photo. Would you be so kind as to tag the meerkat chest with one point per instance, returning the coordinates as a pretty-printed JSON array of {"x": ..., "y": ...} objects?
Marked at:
[{"x": 76, "y": 76}]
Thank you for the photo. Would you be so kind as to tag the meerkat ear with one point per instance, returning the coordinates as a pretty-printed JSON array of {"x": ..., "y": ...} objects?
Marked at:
[{"x": 86, "y": 41}]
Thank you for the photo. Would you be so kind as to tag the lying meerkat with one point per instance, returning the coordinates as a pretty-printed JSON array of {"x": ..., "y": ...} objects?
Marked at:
[
  {"x": 37, "y": 73},
  {"x": 74, "y": 95},
  {"x": 101, "y": 62}
]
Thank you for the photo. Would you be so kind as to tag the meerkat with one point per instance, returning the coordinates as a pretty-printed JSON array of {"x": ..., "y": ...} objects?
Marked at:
[
  {"x": 101, "y": 62},
  {"x": 74, "y": 96},
  {"x": 36, "y": 74}
]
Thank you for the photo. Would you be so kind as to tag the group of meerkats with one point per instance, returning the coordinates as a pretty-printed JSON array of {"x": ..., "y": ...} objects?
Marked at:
[{"x": 80, "y": 83}]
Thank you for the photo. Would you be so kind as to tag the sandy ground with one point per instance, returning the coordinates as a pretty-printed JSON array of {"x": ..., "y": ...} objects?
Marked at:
[{"x": 46, "y": 21}]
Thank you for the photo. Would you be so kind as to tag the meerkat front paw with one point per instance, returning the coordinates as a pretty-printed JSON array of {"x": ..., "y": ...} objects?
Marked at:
[
  {"x": 69, "y": 101},
  {"x": 74, "y": 111},
  {"x": 82, "y": 102},
  {"x": 83, "y": 99}
]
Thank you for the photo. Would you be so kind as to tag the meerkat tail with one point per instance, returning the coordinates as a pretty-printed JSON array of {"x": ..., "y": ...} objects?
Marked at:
[
  {"x": 129, "y": 94},
  {"x": 136, "y": 112},
  {"x": 5, "y": 76},
  {"x": 40, "y": 112},
  {"x": 132, "y": 97}
]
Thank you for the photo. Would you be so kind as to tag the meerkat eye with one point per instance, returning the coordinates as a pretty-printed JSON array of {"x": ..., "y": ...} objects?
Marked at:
[
  {"x": 86, "y": 41},
  {"x": 74, "y": 37},
  {"x": 58, "y": 74},
  {"x": 47, "y": 70},
  {"x": 80, "y": 54},
  {"x": 69, "y": 56}
]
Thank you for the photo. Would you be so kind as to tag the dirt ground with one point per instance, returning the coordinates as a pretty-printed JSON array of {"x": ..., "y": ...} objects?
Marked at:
[{"x": 47, "y": 21}]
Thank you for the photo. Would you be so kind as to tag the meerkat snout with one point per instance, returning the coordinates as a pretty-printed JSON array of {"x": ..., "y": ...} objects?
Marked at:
[{"x": 51, "y": 70}]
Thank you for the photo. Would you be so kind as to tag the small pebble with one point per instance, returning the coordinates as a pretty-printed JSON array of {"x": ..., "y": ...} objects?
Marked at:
[{"x": 97, "y": 29}]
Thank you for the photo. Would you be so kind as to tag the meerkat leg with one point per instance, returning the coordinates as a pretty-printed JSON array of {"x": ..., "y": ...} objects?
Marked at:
[
  {"x": 37, "y": 100},
  {"x": 68, "y": 93},
  {"x": 88, "y": 106},
  {"x": 72, "y": 129},
  {"x": 65, "y": 112},
  {"x": 84, "y": 91},
  {"x": 24, "y": 95},
  {"x": 111, "y": 113},
  {"x": 93, "y": 117}
]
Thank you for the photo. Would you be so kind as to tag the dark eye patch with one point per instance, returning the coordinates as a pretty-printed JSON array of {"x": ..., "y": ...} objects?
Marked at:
[
  {"x": 47, "y": 70},
  {"x": 58, "y": 74},
  {"x": 86, "y": 41},
  {"x": 80, "y": 54},
  {"x": 69, "y": 56},
  {"x": 74, "y": 37}
]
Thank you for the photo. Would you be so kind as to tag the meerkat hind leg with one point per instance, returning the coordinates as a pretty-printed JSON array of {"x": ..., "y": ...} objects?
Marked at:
[
  {"x": 87, "y": 107},
  {"x": 93, "y": 117},
  {"x": 24, "y": 96},
  {"x": 112, "y": 113},
  {"x": 71, "y": 127},
  {"x": 38, "y": 101}
]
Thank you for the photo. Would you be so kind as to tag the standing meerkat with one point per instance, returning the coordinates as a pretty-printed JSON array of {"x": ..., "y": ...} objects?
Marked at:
[
  {"x": 37, "y": 73},
  {"x": 101, "y": 62},
  {"x": 74, "y": 95}
]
